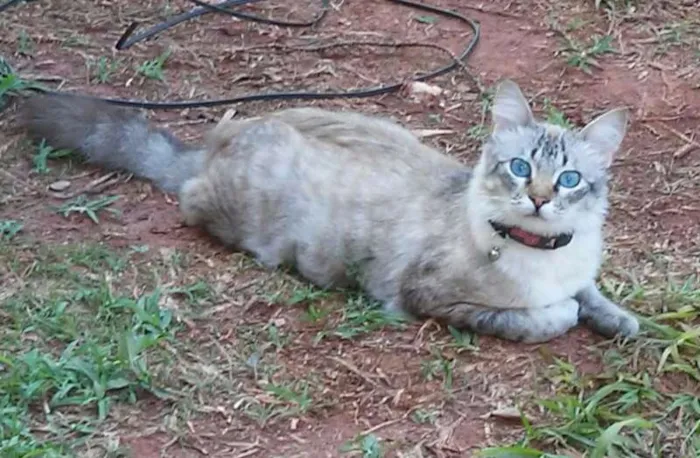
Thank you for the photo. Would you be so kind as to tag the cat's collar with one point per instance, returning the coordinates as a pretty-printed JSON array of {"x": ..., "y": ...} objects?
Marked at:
[{"x": 529, "y": 239}]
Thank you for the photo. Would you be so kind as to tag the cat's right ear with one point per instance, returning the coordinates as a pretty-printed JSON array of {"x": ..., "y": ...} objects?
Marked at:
[
  {"x": 606, "y": 132},
  {"x": 510, "y": 107}
]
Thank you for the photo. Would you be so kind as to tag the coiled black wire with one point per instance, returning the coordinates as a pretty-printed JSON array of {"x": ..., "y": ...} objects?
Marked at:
[
  {"x": 9, "y": 3},
  {"x": 129, "y": 38}
]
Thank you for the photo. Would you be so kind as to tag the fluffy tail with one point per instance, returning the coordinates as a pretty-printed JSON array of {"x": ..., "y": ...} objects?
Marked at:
[{"x": 113, "y": 137}]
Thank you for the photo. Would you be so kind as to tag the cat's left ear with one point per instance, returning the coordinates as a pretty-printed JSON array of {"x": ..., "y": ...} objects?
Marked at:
[
  {"x": 510, "y": 108},
  {"x": 606, "y": 132}
]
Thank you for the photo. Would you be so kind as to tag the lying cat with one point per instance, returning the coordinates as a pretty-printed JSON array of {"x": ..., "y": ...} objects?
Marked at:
[{"x": 510, "y": 248}]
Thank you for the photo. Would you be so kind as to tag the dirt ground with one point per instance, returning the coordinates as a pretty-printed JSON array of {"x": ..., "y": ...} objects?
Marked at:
[{"x": 261, "y": 364}]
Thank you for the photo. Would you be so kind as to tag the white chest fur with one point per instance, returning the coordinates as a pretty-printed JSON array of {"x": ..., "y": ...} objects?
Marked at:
[{"x": 537, "y": 277}]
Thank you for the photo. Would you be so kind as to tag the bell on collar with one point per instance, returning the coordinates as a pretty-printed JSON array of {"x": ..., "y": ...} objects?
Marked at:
[{"x": 494, "y": 254}]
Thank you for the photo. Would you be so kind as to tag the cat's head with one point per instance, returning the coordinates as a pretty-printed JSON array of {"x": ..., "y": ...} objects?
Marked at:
[{"x": 541, "y": 176}]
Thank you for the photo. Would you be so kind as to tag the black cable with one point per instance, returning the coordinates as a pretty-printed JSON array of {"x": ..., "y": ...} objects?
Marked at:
[
  {"x": 127, "y": 40},
  {"x": 301, "y": 95},
  {"x": 219, "y": 9},
  {"x": 9, "y": 3}
]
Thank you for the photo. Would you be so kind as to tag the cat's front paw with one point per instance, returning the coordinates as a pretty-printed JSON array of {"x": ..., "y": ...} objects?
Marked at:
[
  {"x": 628, "y": 325},
  {"x": 614, "y": 323},
  {"x": 604, "y": 316},
  {"x": 551, "y": 321}
]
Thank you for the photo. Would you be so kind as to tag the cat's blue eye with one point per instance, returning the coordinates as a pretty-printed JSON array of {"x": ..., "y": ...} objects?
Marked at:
[
  {"x": 520, "y": 168},
  {"x": 569, "y": 179}
]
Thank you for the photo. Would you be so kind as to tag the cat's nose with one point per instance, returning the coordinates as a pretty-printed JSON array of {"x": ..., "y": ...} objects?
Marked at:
[{"x": 538, "y": 201}]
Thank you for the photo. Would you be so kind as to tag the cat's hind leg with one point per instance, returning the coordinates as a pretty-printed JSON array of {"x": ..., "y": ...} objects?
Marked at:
[
  {"x": 530, "y": 325},
  {"x": 194, "y": 201},
  {"x": 323, "y": 269},
  {"x": 603, "y": 316},
  {"x": 270, "y": 251}
]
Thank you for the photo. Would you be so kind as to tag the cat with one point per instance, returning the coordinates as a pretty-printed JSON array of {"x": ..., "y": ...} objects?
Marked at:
[{"x": 510, "y": 248}]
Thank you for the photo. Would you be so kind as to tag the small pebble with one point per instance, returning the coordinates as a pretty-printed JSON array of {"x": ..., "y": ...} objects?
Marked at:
[{"x": 59, "y": 186}]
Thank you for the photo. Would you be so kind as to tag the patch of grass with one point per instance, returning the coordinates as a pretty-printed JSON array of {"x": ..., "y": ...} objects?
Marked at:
[
  {"x": 300, "y": 294},
  {"x": 518, "y": 452},
  {"x": 672, "y": 338},
  {"x": 677, "y": 34},
  {"x": 361, "y": 316},
  {"x": 515, "y": 451},
  {"x": 422, "y": 416},
  {"x": 9, "y": 228},
  {"x": 25, "y": 45},
  {"x": 295, "y": 394},
  {"x": 595, "y": 421},
  {"x": 306, "y": 293},
  {"x": 275, "y": 336},
  {"x": 102, "y": 69},
  {"x": 439, "y": 367},
  {"x": 367, "y": 446},
  {"x": 11, "y": 84},
  {"x": 16, "y": 437},
  {"x": 585, "y": 55},
  {"x": 314, "y": 314},
  {"x": 90, "y": 372},
  {"x": 73, "y": 345},
  {"x": 195, "y": 293},
  {"x": 46, "y": 152},
  {"x": 75, "y": 40},
  {"x": 280, "y": 400},
  {"x": 90, "y": 256},
  {"x": 603, "y": 422},
  {"x": 576, "y": 24},
  {"x": 556, "y": 116},
  {"x": 83, "y": 206},
  {"x": 153, "y": 68},
  {"x": 480, "y": 131},
  {"x": 463, "y": 340}
]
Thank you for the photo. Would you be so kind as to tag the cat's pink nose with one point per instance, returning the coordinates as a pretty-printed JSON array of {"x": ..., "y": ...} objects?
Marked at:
[{"x": 538, "y": 201}]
